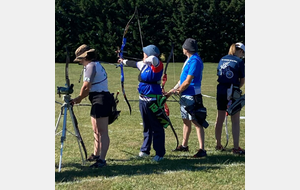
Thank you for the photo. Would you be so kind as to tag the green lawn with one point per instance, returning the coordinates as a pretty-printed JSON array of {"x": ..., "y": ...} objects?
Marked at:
[{"x": 219, "y": 170}]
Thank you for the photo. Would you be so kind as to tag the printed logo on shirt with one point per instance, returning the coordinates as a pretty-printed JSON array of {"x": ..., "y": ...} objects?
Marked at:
[
  {"x": 225, "y": 69},
  {"x": 229, "y": 74},
  {"x": 224, "y": 65}
]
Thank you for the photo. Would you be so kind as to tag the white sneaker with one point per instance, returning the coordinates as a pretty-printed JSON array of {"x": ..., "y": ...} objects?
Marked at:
[
  {"x": 157, "y": 158},
  {"x": 143, "y": 154}
]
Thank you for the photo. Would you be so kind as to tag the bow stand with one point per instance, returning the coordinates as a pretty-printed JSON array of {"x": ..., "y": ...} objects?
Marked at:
[{"x": 65, "y": 107}]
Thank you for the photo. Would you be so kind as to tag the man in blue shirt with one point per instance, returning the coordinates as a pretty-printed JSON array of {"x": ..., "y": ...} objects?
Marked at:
[{"x": 189, "y": 87}]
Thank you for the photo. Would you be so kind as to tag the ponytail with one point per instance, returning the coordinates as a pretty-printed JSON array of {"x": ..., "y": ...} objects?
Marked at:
[{"x": 232, "y": 50}]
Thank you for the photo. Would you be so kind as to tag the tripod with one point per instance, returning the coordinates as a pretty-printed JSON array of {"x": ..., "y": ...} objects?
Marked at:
[{"x": 64, "y": 109}]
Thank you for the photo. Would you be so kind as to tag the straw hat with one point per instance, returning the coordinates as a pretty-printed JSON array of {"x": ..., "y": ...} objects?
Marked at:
[{"x": 82, "y": 51}]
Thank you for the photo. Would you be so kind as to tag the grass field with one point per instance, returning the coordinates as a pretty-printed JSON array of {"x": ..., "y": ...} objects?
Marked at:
[{"x": 219, "y": 170}]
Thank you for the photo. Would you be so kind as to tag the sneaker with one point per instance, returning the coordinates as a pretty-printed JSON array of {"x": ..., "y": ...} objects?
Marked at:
[
  {"x": 93, "y": 158},
  {"x": 143, "y": 154},
  {"x": 221, "y": 148},
  {"x": 200, "y": 153},
  {"x": 181, "y": 148},
  {"x": 238, "y": 151},
  {"x": 98, "y": 164},
  {"x": 157, "y": 158}
]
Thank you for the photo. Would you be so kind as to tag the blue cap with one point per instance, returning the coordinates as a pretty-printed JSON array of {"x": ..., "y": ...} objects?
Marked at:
[{"x": 151, "y": 50}]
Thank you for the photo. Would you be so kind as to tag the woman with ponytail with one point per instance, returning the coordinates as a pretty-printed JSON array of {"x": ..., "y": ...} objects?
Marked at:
[{"x": 231, "y": 77}]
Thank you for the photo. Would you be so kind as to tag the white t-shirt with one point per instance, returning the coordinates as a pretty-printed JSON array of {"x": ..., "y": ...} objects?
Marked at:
[{"x": 96, "y": 74}]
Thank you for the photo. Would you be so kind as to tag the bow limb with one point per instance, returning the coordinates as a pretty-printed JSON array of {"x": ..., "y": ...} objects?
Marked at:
[
  {"x": 123, "y": 89},
  {"x": 78, "y": 135},
  {"x": 70, "y": 86},
  {"x": 177, "y": 141},
  {"x": 120, "y": 55},
  {"x": 66, "y": 69},
  {"x": 165, "y": 78},
  {"x": 121, "y": 51},
  {"x": 124, "y": 34},
  {"x": 170, "y": 123}
]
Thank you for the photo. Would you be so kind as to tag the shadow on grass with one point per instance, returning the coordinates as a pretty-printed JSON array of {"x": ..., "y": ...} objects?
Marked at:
[{"x": 134, "y": 166}]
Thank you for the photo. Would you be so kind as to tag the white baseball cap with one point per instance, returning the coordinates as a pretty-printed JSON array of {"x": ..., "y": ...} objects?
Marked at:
[{"x": 240, "y": 45}]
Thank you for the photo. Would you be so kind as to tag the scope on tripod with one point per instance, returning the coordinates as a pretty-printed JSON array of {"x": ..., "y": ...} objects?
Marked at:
[{"x": 65, "y": 90}]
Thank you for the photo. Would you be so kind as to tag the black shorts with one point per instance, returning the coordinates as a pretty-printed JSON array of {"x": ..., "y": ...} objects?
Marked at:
[
  {"x": 222, "y": 101},
  {"x": 101, "y": 104},
  {"x": 222, "y": 97}
]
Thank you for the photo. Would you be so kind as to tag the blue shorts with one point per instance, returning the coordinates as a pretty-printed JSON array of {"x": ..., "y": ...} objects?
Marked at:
[{"x": 186, "y": 100}]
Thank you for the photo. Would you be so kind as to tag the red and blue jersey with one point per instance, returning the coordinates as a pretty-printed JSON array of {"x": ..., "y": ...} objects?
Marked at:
[{"x": 151, "y": 72}]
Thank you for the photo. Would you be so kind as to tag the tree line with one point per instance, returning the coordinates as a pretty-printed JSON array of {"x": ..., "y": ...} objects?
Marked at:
[{"x": 215, "y": 24}]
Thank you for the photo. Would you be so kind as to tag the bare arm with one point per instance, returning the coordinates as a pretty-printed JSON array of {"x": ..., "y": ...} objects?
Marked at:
[
  {"x": 242, "y": 82},
  {"x": 84, "y": 92},
  {"x": 185, "y": 84},
  {"x": 172, "y": 91}
]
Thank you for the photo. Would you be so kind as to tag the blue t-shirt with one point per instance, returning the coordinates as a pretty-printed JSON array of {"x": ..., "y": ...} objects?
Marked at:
[
  {"x": 230, "y": 69},
  {"x": 193, "y": 66}
]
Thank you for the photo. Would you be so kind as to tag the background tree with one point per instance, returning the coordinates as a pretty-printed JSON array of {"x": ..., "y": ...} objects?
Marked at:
[{"x": 215, "y": 24}]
